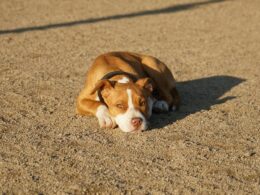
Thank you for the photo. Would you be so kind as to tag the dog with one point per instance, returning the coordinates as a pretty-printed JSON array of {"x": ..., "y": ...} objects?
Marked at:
[{"x": 124, "y": 88}]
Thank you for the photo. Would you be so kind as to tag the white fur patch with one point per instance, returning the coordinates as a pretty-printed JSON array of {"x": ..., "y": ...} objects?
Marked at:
[
  {"x": 103, "y": 116},
  {"x": 161, "y": 106},
  {"x": 130, "y": 100},
  {"x": 124, "y": 121},
  {"x": 123, "y": 80},
  {"x": 97, "y": 98}
]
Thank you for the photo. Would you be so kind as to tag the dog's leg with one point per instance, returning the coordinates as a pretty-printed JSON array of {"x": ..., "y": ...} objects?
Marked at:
[
  {"x": 160, "y": 106},
  {"x": 168, "y": 98},
  {"x": 176, "y": 100},
  {"x": 92, "y": 107}
]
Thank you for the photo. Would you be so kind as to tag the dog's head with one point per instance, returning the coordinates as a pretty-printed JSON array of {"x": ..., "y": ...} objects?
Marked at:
[{"x": 129, "y": 103}]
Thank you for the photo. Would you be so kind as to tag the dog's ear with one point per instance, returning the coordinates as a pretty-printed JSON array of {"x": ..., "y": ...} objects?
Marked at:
[
  {"x": 145, "y": 83},
  {"x": 102, "y": 85}
]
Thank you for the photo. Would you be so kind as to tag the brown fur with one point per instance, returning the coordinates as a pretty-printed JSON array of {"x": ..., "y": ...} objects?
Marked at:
[{"x": 139, "y": 65}]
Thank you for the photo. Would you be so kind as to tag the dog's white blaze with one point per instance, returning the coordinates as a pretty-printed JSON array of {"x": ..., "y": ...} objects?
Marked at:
[
  {"x": 130, "y": 100},
  {"x": 124, "y": 120},
  {"x": 123, "y": 80}
]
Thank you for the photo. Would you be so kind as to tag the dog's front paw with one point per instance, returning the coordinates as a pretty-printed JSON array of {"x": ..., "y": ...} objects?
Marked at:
[
  {"x": 104, "y": 118},
  {"x": 160, "y": 106}
]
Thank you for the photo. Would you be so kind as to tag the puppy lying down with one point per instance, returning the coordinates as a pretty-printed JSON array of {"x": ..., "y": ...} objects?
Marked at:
[{"x": 123, "y": 89}]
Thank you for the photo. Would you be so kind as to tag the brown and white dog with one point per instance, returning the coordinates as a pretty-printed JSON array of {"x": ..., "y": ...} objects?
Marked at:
[{"x": 123, "y": 88}]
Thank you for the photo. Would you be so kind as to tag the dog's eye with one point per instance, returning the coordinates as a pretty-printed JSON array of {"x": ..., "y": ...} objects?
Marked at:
[{"x": 121, "y": 106}]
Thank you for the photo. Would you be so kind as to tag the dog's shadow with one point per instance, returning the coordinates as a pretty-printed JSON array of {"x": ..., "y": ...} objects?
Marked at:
[{"x": 197, "y": 95}]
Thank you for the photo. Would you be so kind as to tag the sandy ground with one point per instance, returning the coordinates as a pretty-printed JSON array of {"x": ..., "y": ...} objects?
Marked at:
[{"x": 211, "y": 146}]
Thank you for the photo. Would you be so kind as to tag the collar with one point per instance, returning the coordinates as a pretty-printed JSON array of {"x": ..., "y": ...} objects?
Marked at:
[{"x": 119, "y": 72}]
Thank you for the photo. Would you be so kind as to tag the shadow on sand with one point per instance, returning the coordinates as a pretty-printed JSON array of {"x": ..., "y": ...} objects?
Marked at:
[
  {"x": 197, "y": 95},
  {"x": 166, "y": 10}
]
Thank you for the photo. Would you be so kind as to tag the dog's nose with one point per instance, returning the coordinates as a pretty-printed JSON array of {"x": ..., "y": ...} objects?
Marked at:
[{"x": 136, "y": 122}]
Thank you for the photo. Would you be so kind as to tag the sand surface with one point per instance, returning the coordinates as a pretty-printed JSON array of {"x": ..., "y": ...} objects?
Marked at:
[{"x": 211, "y": 146}]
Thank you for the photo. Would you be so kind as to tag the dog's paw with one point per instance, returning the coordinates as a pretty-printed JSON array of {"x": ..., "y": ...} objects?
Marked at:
[
  {"x": 160, "y": 106},
  {"x": 104, "y": 118}
]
